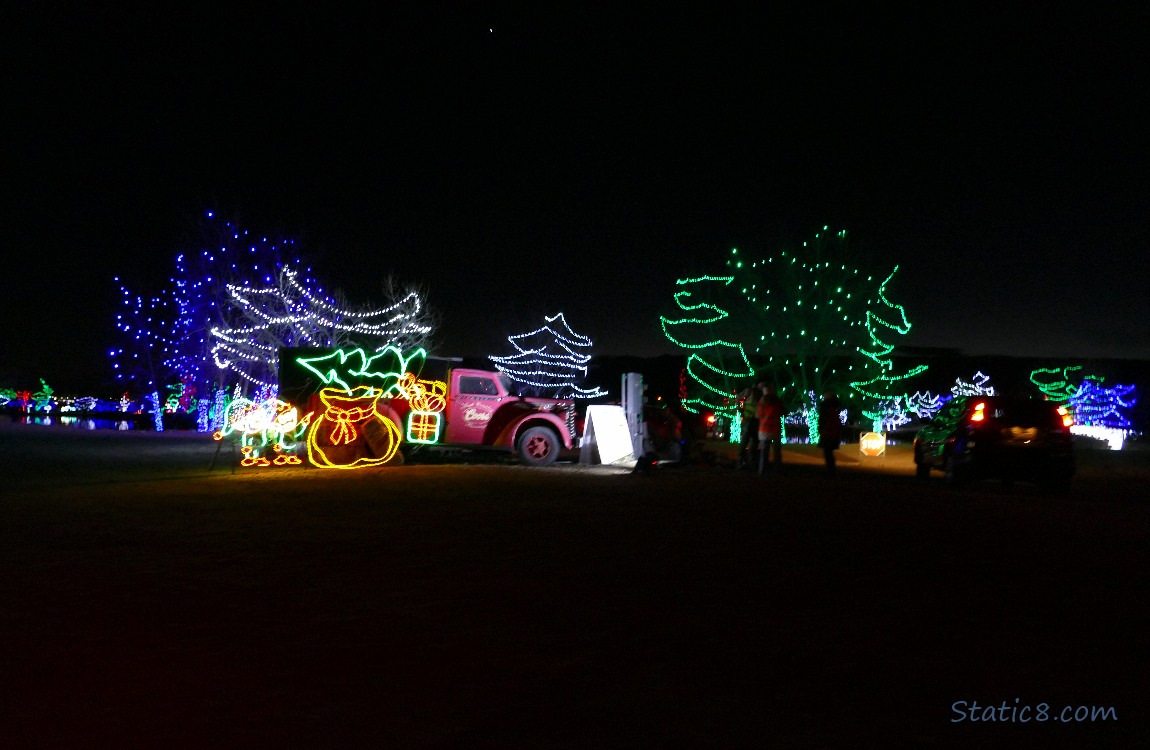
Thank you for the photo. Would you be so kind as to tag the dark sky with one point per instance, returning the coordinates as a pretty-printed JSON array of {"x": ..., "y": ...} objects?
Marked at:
[{"x": 519, "y": 165}]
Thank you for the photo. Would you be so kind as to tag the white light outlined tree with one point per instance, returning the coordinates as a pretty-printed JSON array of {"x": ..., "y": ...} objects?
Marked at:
[
  {"x": 550, "y": 361},
  {"x": 288, "y": 314}
]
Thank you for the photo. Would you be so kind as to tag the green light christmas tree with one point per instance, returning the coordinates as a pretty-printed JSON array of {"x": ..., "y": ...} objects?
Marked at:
[
  {"x": 716, "y": 364},
  {"x": 810, "y": 320},
  {"x": 885, "y": 382},
  {"x": 805, "y": 311}
]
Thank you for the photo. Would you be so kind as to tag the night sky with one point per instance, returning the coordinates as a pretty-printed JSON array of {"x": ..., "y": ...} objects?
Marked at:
[{"x": 519, "y": 165}]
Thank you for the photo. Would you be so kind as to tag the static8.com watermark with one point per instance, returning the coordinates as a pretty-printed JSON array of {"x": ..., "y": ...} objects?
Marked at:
[{"x": 1024, "y": 713}]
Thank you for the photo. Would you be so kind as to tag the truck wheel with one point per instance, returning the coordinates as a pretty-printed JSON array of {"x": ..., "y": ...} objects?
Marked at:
[{"x": 538, "y": 446}]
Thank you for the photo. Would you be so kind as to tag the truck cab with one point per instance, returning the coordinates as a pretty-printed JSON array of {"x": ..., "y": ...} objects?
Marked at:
[{"x": 481, "y": 411}]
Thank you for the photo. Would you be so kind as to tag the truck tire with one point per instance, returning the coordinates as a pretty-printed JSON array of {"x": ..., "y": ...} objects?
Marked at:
[{"x": 538, "y": 446}]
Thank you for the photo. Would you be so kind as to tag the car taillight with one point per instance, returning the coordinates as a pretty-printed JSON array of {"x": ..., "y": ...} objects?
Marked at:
[
  {"x": 1067, "y": 420},
  {"x": 979, "y": 412},
  {"x": 710, "y": 419}
]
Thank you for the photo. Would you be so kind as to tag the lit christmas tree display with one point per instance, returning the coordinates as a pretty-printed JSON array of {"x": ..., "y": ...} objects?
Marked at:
[
  {"x": 716, "y": 364},
  {"x": 157, "y": 410},
  {"x": 883, "y": 319},
  {"x": 232, "y": 303},
  {"x": 924, "y": 405},
  {"x": 1057, "y": 384},
  {"x": 550, "y": 361},
  {"x": 810, "y": 320},
  {"x": 1095, "y": 404},
  {"x": 288, "y": 314},
  {"x": 85, "y": 403},
  {"x": 1100, "y": 412},
  {"x": 43, "y": 397},
  {"x": 804, "y": 324},
  {"x": 888, "y": 414}
]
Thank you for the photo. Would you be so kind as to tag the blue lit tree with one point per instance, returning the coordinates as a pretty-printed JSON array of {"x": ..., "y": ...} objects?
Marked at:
[
  {"x": 1095, "y": 405},
  {"x": 167, "y": 338},
  {"x": 145, "y": 328},
  {"x": 233, "y": 302}
]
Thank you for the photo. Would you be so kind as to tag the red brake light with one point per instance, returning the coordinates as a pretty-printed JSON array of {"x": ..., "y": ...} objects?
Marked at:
[
  {"x": 710, "y": 419},
  {"x": 978, "y": 414},
  {"x": 1067, "y": 420}
]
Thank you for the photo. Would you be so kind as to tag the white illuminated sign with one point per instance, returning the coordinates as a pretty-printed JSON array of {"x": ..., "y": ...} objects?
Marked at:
[{"x": 606, "y": 431}]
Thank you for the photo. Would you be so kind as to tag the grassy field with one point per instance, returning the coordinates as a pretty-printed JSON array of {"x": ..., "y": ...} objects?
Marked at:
[{"x": 150, "y": 602}]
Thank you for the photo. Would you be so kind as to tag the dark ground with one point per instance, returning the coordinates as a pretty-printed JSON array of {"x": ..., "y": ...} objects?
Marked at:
[{"x": 148, "y": 602}]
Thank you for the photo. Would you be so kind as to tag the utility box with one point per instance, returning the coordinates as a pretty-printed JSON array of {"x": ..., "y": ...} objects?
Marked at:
[{"x": 634, "y": 397}]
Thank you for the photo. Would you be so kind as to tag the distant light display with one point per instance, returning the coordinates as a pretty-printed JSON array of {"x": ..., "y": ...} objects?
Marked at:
[
  {"x": 43, "y": 397},
  {"x": 1095, "y": 405},
  {"x": 979, "y": 385},
  {"x": 157, "y": 411},
  {"x": 1058, "y": 384},
  {"x": 924, "y": 405}
]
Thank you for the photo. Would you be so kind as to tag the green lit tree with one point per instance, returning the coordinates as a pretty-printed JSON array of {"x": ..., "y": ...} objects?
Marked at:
[
  {"x": 1058, "y": 384},
  {"x": 716, "y": 364},
  {"x": 810, "y": 320},
  {"x": 884, "y": 383},
  {"x": 804, "y": 318}
]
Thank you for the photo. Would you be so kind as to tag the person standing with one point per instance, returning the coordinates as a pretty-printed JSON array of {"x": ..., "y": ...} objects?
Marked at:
[
  {"x": 830, "y": 427},
  {"x": 770, "y": 414},
  {"x": 749, "y": 432}
]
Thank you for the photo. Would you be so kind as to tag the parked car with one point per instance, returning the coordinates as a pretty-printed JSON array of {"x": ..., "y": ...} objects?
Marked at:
[{"x": 998, "y": 437}]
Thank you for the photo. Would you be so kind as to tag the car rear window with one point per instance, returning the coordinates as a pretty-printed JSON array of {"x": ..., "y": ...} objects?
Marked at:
[{"x": 1024, "y": 413}]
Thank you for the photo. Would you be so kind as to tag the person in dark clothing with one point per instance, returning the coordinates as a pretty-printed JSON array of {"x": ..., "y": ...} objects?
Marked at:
[
  {"x": 830, "y": 427},
  {"x": 748, "y": 400},
  {"x": 770, "y": 415}
]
